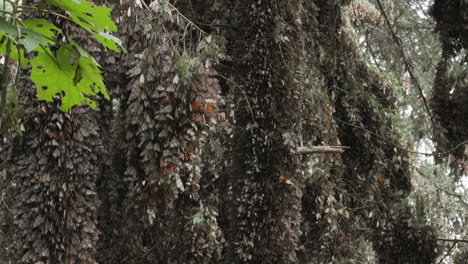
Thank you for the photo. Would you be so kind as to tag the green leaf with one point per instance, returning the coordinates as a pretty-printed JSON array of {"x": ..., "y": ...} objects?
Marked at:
[
  {"x": 81, "y": 51},
  {"x": 74, "y": 55},
  {"x": 37, "y": 32},
  {"x": 74, "y": 83},
  {"x": 43, "y": 27},
  {"x": 109, "y": 41},
  {"x": 98, "y": 17},
  {"x": 7, "y": 29},
  {"x": 22, "y": 36},
  {"x": 198, "y": 218},
  {"x": 95, "y": 19}
]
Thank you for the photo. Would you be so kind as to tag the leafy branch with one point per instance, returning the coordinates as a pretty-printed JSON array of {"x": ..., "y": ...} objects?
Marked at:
[{"x": 57, "y": 68}]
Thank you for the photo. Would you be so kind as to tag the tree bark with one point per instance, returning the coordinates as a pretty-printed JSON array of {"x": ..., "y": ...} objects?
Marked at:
[{"x": 265, "y": 52}]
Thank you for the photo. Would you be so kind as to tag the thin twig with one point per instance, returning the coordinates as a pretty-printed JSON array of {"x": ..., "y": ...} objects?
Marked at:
[
  {"x": 35, "y": 9},
  {"x": 448, "y": 252},
  {"x": 4, "y": 203},
  {"x": 242, "y": 90}
]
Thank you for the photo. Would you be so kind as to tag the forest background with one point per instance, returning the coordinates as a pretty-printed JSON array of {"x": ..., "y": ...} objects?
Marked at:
[{"x": 319, "y": 131}]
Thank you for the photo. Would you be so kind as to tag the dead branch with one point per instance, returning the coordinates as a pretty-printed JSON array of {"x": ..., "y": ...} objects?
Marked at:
[{"x": 321, "y": 149}]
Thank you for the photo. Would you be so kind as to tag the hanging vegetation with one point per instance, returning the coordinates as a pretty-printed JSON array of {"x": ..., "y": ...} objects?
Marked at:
[{"x": 236, "y": 132}]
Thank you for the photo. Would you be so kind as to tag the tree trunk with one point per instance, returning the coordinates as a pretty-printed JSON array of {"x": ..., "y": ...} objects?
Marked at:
[{"x": 265, "y": 51}]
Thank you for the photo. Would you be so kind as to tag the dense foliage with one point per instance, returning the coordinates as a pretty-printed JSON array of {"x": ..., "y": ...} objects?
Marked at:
[{"x": 242, "y": 132}]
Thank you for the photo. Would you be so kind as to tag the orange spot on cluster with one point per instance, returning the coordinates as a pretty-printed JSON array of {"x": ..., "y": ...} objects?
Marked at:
[
  {"x": 195, "y": 106},
  {"x": 166, "y": 100},
  {"x": 209, "y": 108},
  {"x": 58, "y": 134},
  {"x": 170, "y": 169},
  {"x": 167, "y": 168}
]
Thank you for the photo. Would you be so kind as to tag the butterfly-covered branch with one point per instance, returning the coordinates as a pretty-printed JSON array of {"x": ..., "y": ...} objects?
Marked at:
[{"x": 58, "y": 67}]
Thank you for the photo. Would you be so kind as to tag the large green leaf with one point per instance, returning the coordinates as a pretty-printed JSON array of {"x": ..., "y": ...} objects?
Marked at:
[
  {"x": 74, "y": 82},
  {"x": 70, "y": 72},
  {"x": 48, "y": 30},
  {"x": 98, "y": 17},
  {"x": 23, "y": 36},
  {"x": 7, "y": 29},
  {"x": 36, "y": 32},
  {"x": 81, "y": 51},
  {"x": 97, "y": 20}
]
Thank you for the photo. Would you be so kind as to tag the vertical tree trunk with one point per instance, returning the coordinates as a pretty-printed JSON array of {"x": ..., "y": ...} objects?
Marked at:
[{"x": 265, "y": 50}]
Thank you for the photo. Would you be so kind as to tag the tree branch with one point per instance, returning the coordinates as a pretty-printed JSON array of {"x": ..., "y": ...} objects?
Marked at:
[
  {"x": 448, "y": 252},
  {"x": 321, "y": 149},
  {"x": 453, "y": 240}
]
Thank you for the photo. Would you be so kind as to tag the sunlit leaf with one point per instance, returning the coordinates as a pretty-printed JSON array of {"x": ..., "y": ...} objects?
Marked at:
[
  {"x": 44, "y": 27},
  {"x": 96, "y": 19},
  {"x": 55, "y": 75}
]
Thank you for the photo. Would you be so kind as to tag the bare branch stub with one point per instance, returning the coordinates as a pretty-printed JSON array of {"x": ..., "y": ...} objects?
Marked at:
[{"x": 321, "y": 149}]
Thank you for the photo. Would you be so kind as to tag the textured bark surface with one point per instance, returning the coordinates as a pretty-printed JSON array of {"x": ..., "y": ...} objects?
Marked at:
[
  {"x": 55, "y": 168},
  {"x": 265, "y": 51}
]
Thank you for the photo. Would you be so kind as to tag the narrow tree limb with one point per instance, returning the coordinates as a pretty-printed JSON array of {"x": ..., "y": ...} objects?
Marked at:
[
  {"x": 448, "y": 252},
  {"x": 321, "y": 149},
  {"x": 453, "y": 240}
]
